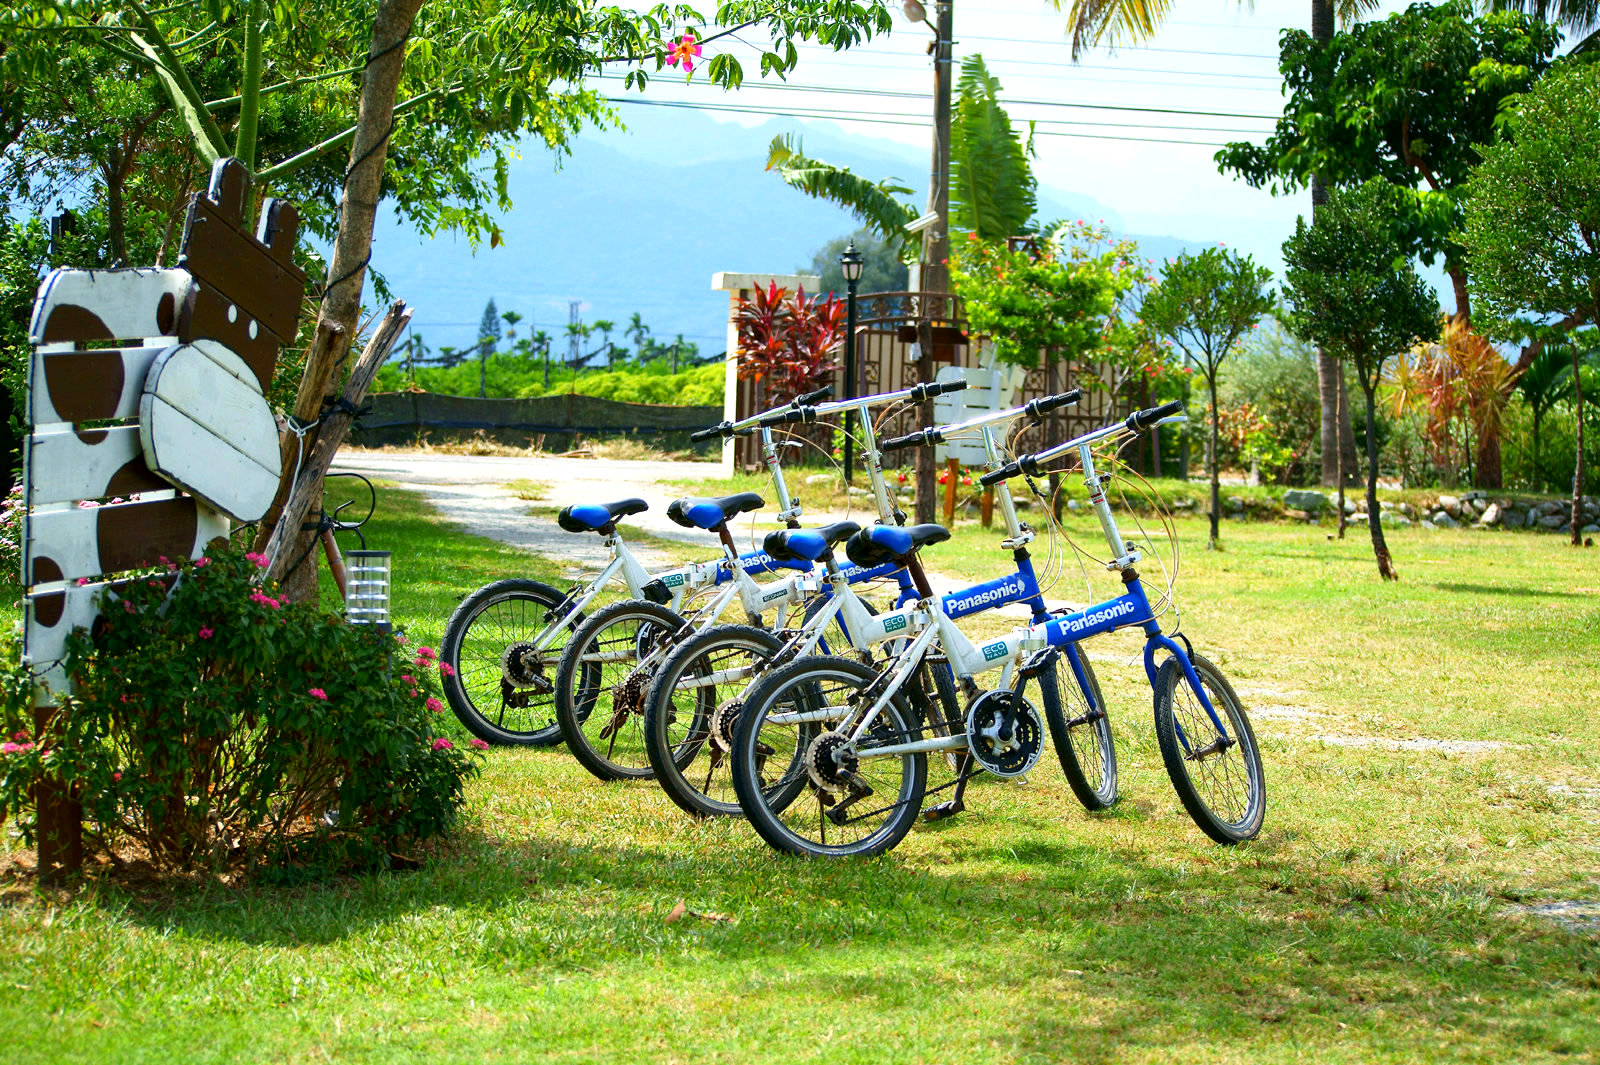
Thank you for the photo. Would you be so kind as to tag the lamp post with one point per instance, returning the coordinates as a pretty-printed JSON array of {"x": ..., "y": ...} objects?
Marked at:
[{"x": 851, "y": 263}]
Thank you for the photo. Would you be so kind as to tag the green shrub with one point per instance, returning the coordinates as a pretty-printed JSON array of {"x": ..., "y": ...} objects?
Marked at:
[{"x": 216, "y": 726}]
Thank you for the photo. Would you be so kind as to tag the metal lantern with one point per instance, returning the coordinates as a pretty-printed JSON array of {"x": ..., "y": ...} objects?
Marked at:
[
  {"x": 851, "y": 263},
  {"x": 366, "y": 590}
]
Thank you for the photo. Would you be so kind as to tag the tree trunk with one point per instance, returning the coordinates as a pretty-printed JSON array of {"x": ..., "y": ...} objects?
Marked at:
[
  {"x": 1216, "y": 439},
  {"x": 1380, "y": 549},
  {"x": 1052, "y": 387},
  {"x": 352, "y": 248},
  {"x": 1489, "y": 471},
  {"x": 1331, "y": 432},
  {"x": 1577, "y": 471},
  {"x": 116, "y": 211},
  {"x": 927, "y": 482},
  {"x": 1538, "y": 464},
  {"x": 1342, "y": 471}
]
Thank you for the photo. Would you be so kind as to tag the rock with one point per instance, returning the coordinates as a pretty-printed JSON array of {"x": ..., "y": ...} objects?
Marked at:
[
  {"x": 1386, "y": 504},
  {"x": 1550, "y": 522},
  {"x": 1451, "y": 505},
  {"x": 1443, "y": 520},
  {"x": 1589, "y": 529},
  {"x": 1549, "y": 507},
  {"x": 1478, "y": 504},
  {"x": 819, "y": 478},
  {"x": 1408, "y": 510},
  {"x": 1073, "y": 504},
  {"x": 1305, "y": 499},
  {"x": 1491, "y": 515},
  {"x": 1426, "y": 524},
  {"x": 1235, "y": 503},
  {"x": 1349, "y": 506},
  {"x": 1297, "y": 515},
  {"x": 1514, "y": 519},
  {"x": 860, "y": 493},
  {"x": 1183, "y": 504},
  {"x": 1393, "y": 520}
]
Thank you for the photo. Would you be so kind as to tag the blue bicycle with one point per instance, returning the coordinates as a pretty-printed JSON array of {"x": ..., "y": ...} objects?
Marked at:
[{"x": 829, "y": 757}]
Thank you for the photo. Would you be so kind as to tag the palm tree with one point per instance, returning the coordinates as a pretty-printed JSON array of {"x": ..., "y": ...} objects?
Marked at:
[
  {"x": 873, "y": 203},
  {"x": 604, "y": 328},
  {"x": 1546, "y": 382}
]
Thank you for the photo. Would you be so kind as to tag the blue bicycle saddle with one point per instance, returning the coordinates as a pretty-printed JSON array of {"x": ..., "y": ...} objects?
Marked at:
[
  {"x": 786, "y": 545},
  {"x": 707, "y": 514},
  {"x": 891, "y": 543},
  {"x": 598, "y": 517}
]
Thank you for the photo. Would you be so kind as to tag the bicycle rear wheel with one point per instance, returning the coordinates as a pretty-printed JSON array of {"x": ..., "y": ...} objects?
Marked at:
[
  {"x": 692, "y": 709},
  {"x": 601, "y": 683},
  {"x": 1081, "y": 732},
  {"x": 501, "y": 689},
  {"x": 797, "y": 794},
  {"x": 1218, "y": 778}
]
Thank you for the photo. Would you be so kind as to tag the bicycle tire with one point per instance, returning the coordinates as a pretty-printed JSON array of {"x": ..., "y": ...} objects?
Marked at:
[
  {"x": 1242, "y": 778},
  {"x": 677, "y": 727},
  {"x": 781, "y": 809},
  {"x": 617, "y": 636},
  {"x": 502, "y": 614},
  {"x": 1085, "y": 749}
]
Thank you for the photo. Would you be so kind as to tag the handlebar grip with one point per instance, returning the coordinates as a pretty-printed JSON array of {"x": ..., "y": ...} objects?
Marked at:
[
  {"x": 927, "y": 390},
  {"x": 1140, "y": 420},
  {"x": 1004, "y": 473},
  {"x": 710, "y": 431},
  {"x": 895, "y": 443},
  {"x": 1045, "y": 404},
  {"x": 814, "y": 397}
]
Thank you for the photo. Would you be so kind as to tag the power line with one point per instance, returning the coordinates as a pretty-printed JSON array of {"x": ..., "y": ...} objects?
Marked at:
[
  {"x": 907, "y": 120},
  {"x": 897, "y": 95}
]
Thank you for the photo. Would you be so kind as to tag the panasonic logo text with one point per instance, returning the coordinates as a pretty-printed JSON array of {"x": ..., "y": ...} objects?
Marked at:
[
  {"x": 990, "y": 595},
  {"x": 1095, "y": 617}
]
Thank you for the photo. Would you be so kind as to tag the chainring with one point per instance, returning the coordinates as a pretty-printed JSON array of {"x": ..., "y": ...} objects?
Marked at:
[{"x": 1005, "y": 733}]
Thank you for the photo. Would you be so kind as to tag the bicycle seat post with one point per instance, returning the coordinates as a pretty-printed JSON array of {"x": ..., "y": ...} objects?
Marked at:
[{"x": 1124, "y": 555}]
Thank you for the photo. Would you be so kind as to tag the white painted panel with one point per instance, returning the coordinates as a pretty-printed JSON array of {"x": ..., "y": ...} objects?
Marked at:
[
  {"x": 69, "y": 536},
  {"x": 205, "y": 426},
  {"x": 125, "y": 300},
  {"x": 135, "y": 366},
  {"x": 64, "y": 469},
  {"x": 44, "y": 648},
  {"x": 196, "y": 460}
]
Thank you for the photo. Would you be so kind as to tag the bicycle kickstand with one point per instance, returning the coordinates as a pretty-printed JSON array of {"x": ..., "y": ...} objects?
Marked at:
[{"x": 955, "y": 804}]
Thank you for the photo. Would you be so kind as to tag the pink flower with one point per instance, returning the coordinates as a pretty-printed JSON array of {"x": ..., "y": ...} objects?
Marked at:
[
  {"x": 442, "y": 744},
  {"x": 129, "y": 607},
  {"x": 479, "y": 744},
  {"x": 201, "y": 561},
  {"x": 82, "y": 581},
  {"x": 117, "y": 775},
  {"x": 259, "y": 559},
  {"x": 446, "y": 669},
  {"x": 684, "y": 51},
  {"x": 318, "y": 693},
  {"x": 401, "y": 638},
  {"x": 206, "y": 633},
  {"x": 15, "y": 748},
  {"x": 264, "y": 600},
  {"x": 433, "y": 704},
  {"x": 408, "y": 678},
  {"x": 415, "y": 693},
  {"x": 426, "y": 653}
]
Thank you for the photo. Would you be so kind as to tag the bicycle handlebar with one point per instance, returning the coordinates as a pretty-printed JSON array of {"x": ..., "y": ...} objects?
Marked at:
[
  {"x": 1045, "y": 404},
  {"x": 726, "y": 429},
  {"x": 1136, "y": 422},
  {"x": 921, "y": 436}
]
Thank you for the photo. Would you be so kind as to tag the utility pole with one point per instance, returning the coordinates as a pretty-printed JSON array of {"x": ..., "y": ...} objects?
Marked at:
[{"x": 934, "y": 271}]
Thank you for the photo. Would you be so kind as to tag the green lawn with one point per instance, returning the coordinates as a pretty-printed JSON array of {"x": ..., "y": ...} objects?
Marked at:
[{"x": 1382, "y": 915}]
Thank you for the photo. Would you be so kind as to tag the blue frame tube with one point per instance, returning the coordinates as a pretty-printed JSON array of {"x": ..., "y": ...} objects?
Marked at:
[{"x": 1021, "y": 586}]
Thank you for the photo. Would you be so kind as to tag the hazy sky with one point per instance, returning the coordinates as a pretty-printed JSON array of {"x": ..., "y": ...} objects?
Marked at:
[{"x": 1210, "y": 57}]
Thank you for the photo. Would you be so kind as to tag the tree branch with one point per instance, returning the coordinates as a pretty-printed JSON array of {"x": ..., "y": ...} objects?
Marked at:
[
  {"x": 250, "y": 90},
  {"x": 284, "y": 86},
  {"x": 169, "y": 68}
]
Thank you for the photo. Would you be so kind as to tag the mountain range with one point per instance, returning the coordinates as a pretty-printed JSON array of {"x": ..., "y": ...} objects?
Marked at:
[{"x": 639, "y": 220}]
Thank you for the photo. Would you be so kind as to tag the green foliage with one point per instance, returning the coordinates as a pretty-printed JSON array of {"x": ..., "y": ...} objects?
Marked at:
[
  {"x": 1207, "y": 302},
  {"x": 1532, "y": 228},
  {"x": 881, "y": 268},
  {"x": 1350, "y": 289},
  {"x": 512, "y": 376},
  {"x": 1276, "y": 373},
  {"x": 1053, "y": 296},
  {"x": 992, "y": 188},
  {"x": 1407, "y": 99},
  {"x": 217, "y": 726},
  {"x": 873, "y": 203}
]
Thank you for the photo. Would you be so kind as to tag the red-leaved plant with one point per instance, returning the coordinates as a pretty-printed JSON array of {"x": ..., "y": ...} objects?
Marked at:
[{"x": 785, "y": 341}]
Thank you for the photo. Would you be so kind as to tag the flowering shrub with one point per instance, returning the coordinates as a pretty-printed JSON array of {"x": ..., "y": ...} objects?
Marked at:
[{"x": 215, "y": 724}]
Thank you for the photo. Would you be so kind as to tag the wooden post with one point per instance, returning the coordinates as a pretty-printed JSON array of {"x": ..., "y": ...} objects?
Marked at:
[
  {"x": 60, "y": 819},
  {"x": 952, "y": 475},
  {"x": 988, "y": 508}
]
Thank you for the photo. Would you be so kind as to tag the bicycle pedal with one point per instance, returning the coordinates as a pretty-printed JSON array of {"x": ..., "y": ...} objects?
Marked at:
[{"x": 944, "y": 810}]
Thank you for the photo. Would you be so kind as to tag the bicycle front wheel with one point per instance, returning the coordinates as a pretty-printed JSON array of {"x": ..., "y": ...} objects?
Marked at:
[
  {"x": 692, "y": 710},
  {"x": 601, "y": 682},
  {"x": 1081, "y": 731},
  {"x": 503, "y": 686},
  {"x": 804, "y": 785},
  {"x": 1217, "y": 776}
]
